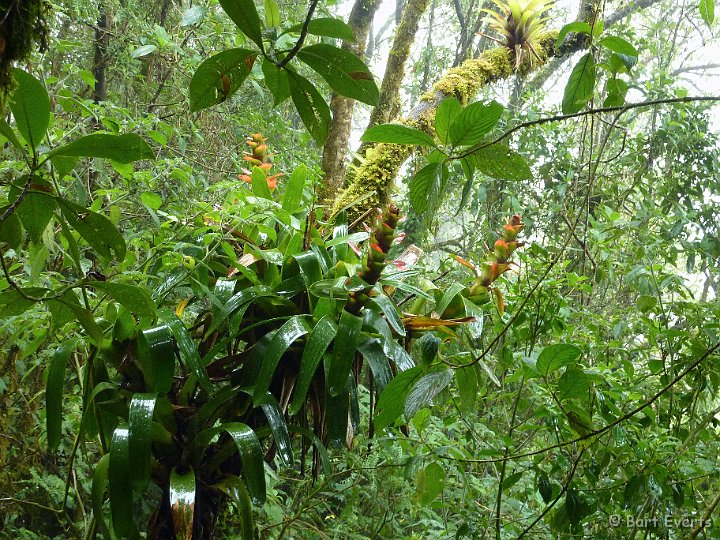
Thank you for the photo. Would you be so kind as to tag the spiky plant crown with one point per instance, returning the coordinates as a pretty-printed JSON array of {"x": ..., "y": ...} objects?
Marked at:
[{"x": 522, "y": 24}]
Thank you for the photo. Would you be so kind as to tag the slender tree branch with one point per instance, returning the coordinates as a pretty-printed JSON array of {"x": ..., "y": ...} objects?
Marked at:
[{"x": 303, "y": 35}]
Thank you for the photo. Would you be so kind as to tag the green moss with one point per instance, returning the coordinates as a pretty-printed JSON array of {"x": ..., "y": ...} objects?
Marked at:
[{"x": 22, "y": 24}]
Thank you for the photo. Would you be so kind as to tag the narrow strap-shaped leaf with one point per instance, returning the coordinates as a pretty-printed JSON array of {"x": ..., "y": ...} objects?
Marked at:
[
  {"x": 292, "y": 199},
  {"x": 88, "y": 408},
  {"x": 234, "y": 487},
  {"x": 374, "y": 355},
  {"x": 97, "y": 494},
  {"x": 188, "y": 350},
  {"x": 354, "y": 403},
  {"x": 120, "y": 482},
  {"x": 140, "y": 437},
  {"x": 275, "y": 419},
  {"x": 54, "y": 393},
  {"x": 310, "y": 267},
  {"x": 156, "y": 352},
  {"x": 337, "y": 407},
  {"x": 343, "y": 352},
  {"x": 290, "y": 331},
  {"x": 390, "y": 311},
  {"x": 223, "y": 291},
  {"x": 182, "y": 502},
  {"x": 317, "y": 343},
  {"x": 319, "y": 446}
]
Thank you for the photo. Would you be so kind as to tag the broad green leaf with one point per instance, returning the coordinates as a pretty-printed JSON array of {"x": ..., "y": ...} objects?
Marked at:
[
  {"x": 54, "y": 393},
  {"x": 244, "y": 14},
  {"x": 259, "y": 183},
  {"x": 310, "y": 267},
  {"x": 97, "y": 493},
  {"x": 707, "y": 11},
  {"x": 279, "y": 429},
  {"x": 311, "y": 106},
  {"x": 425, "y": 390},
  {"x": 392, "y": 401},
  {"x": 188, "y": 351},
  {"x": 577, "y": 27},
  {"x": 276, "y": 80},
  {"x": 344, "y": 71},
  {"x": 467, "y": 383},
  {"x": 554, "y": 357},
  {"x": 374, "y": 355},
  {"x": 429, "y": 483},
  {"x": 619, "y": 45},
  {"x": 139, "y": 437},
  {"x": 317, "y": 343},
  {"x": 143, "y": 50},
  {"x": 397, "y": 134},
  {"x": 63, "y": 165},
  {"x": 182, "y": 494},
  {"x": 136, "y": 299},
  {"x": 7, "y": 132},
  {"x": 120, "y": 477},
  {"x": 286, "y": 335},
  {"x": 121, "y": 148},
  {"x": 574, "y": 383},
  {"x": 423, "y": 186},
  {"x": 616, "y": 90},
  {"x": 499, "y": 161},
  {"x": 96, "y": 229},
  {"x": 326, "y": 26},
  {"x": 84, "y": 316},
  {"x": 474, "y": 122},
  {"x": 220, "y": 76},
  {"x": 30, "y": 106},
  {"x": 151, "y": 200},
  {"x": 292, "y": 199},
  {"x": 192, "y": 16},
  {"x": 36, "y": 209},
  {"x": 235, "y": 489},
  {"x": 447, "y": 112},
  {"x": 580, "y": 86},
  {"x": 272, "y": 14},
  {"x": 11, "y": 229},
  {"x": 343, "y": 354}
]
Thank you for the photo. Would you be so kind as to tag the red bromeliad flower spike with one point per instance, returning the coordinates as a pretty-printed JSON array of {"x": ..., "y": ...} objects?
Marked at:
[{"x": 260, "y": 158}]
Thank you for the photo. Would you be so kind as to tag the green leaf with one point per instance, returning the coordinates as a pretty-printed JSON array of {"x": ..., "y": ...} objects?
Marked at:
[
  {"x": 259, "y": 183},
  {"x": 375, "y": 356},
  {"x": 124, "y": 148},
  {"x": 7, "y": 132},
  {"x": 11, "y": 229},
  {"x": 545, "y": 487},
  {"x": 616, "y": 90},
  {"x": 317, "y": 343},
  {"x": 392, "y": 401},
  {"x": 574, "y": 383},
  {"x": 96, "y": 229},
  {"x": 429, "y": 483},
  {"x": 311, "y": 106},
  {"x": 554, "y": 357},
  {"x": 143, "y": 50},
  {"x": 447, "y": 112},
  {"x": 474, "y": 122},
  {"x": 272, "y": 14},
  {"x": 390, "y": 310},
  {"x": 30, "y": 106},
  {"x": 344, "y": 71},
  {"x": 467, "y": 383},
  {"x": 424, "y": 186},
  {"x": 577, "y": 27},
  {"x": 63, "y": 165},
  {"x": 97, "y": 494},
  {"x": 397, "y": 134},
  {"x": 326, "y": 26},
  {"x": 292, "y": 199},
  {"x": 619, "y": 45},
  {"x": 140, "y": 437},
  {"x": 276, "y": 80},
  {"x": 120, "y": 477},
  {"x": 188, "y": 351},
  {"x": 182, "y": 493},
  {"x": 580, "y": 86},
  {"x": 499, "y": 161},
  {"x": 220, "y": 76},
  {"x": 344, "y": 348},
  {"x": 425, "y": 390},
  {"x": 54, "y": 393},
  {"x": 707, "y": 11},
  {"x": 337, "y": 408},
  {"x": 288, "y": 333},
  {"x": 251, "y": 456},
  {"x": 192, "y": 16},
  {"x": 84, "y": 316},
  {"x": 136, "y": 299},
  {"x": 156, "y": 353},
  {"x": 244, "y": 14},
  {"x": 322, "y": 451},
  {"x": 235, "y": 489},
  {"x": 151, "y": 200},
  {"x": 279, "y": 429},
  {"x": 36, "y": 209}
]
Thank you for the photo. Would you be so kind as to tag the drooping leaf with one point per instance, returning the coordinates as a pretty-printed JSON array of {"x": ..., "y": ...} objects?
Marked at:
[
  {"x": 188, "y": 351},
  {"x": 447, "y": 112},
  {"x": 97, "y": 493},
  {"x": 156, "y": 353},
  {"x": 619, "y": 45},
  {"x": 390, "y": 311},
  {"x": 136, "y": 299},
  {"x": 30, "y": 106},
  {"x": 577, "y": 27},
  {"x": 474, "y": 122},
  {"x": 54, "y": 393},
  {"x": 342, "y": 70},
  {"x": 276, "y": 80},
  {"x": 120, "y": 477},
  {"x": 96, "y": 230},
  {"x": 235, "y": 489},
  {"x": 392, "y": 401},
  {"x": 467, "y": 383},
  {"x": 574, "y": 383},
  {"x": 499, "y": 161},
  {"x": 11, "y": 229},
  {"x": 555, "y": 356},
  {"x": 375, "y": 356},
  {"x": 220, "y": 76},
  {"x": 182, "y": 493},
  {"x": 707, "y": 11},
  {"x": 311, "y": 106},
  {"x": 423, "y": 186},
  {"x": 319, "y": 340},
  {"x": 429, "y": 483},
  {"x": 7, "y": 132},
  {"x": 124, "y": 148},
  {"x": 328, "y": 27},
  {"x": 344, "y": 348},
  {"x": 397, "y": 134},
  {"x": 244, "y": 14},
  {"x": 580, "y": 86},
  {"x": 139, "y": 437},
  {"x": 322, "y": 451},
  {"x": 192, "y": 16},
  {"x": 251, "y": 457},
  {"x": 279, "y": 429},
  {"x": 425, "y": 390},
  {"x": 337, "y": 408},
  {"x": 35, "y": 211},
  {"x": 272, "y": 14}
]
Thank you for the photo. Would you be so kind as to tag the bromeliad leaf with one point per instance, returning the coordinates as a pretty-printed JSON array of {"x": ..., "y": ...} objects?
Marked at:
[
  {"x": 121, "y": 148},
  {"x": 474, "y": 122},
  {"x": 120, "y": 484},
  {"x": 397, "y": 134},
  {"x": 580, "y": 86},
  {"x": 156, "y": 353},
  {"x": 234, "y": 487},
  {"x": 220, "y": 76},
  {"x": 140, "y": 437},
  {"x": 344, "y": 347},
  {"x": 344, "y": 72},
  {"x": 182, "y": 502},
  {"x": 317, "y": 343}
]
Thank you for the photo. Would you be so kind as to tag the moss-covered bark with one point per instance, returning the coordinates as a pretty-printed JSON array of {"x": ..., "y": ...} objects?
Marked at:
[{"x": 372, "y": 181}]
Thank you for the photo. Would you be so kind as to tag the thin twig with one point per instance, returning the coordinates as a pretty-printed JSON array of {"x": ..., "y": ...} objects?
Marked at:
[{"x": 303, "y": 34}]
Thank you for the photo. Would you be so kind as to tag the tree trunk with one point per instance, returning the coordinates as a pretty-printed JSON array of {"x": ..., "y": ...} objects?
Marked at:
[
  {"x": 100, "y": 60},
  {"x": 336, "y": 144}
]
